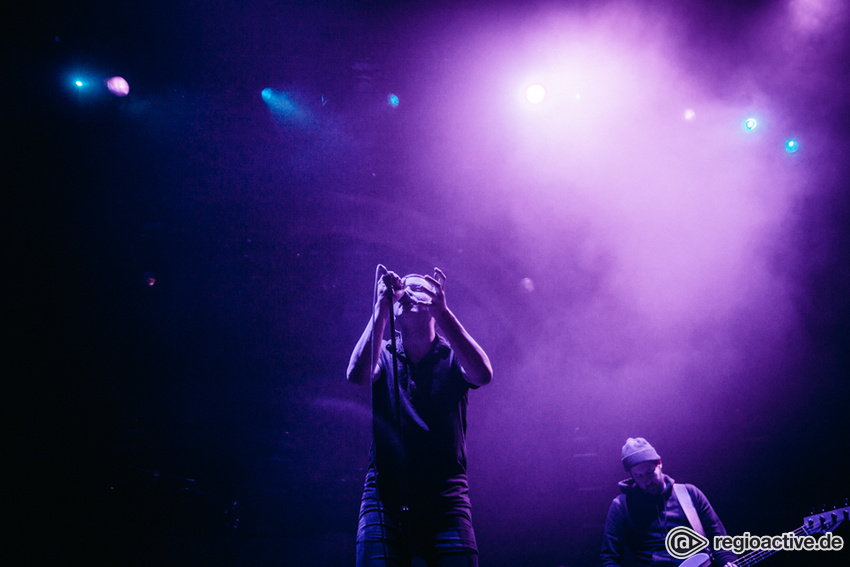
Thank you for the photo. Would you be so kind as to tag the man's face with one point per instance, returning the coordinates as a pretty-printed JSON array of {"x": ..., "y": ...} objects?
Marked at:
[
  {"x": 648, "y": 477},
  {"x": 413, "y": 299}
]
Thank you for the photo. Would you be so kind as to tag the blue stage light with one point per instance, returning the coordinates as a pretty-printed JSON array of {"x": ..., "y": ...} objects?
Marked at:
[
  {"x": 791, "y": 146},
  {"x": 392, "y": 100},
  {"x": 750, "y": 123},
  {"x": 279, "y": 102}
]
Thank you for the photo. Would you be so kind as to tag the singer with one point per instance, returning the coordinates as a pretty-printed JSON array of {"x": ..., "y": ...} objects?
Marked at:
[{"x": 415, "y": 499}]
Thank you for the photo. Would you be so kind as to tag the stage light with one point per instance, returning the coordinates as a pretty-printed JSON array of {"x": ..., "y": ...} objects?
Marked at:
[
  {"x": 392, "y": 100},
  {"x": 690, "y": 114},
  {"x": 79, "y": 83},
  {"x": 279, "y": 102},
  {"x": 535, "y": 93},
  {"x": 791, "y": 146},
  {"x": 750, "y": 123},
  {"x": 118, "y": 86}
]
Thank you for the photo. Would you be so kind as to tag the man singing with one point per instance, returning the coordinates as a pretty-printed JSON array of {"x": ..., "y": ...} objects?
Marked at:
[{"x": 416, "y": 496}]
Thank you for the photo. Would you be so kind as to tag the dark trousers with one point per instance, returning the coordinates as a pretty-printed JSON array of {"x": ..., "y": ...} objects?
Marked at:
[{"x": 442, "y": 539}]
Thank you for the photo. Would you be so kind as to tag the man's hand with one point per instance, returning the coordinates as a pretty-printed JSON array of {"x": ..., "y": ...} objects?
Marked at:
[
  {"x": 389, "y": 287},
  {"x": 438, "y": 296}
]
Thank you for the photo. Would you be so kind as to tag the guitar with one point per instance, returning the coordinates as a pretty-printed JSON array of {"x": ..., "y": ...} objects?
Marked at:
[{"x": 812, "y": 525}]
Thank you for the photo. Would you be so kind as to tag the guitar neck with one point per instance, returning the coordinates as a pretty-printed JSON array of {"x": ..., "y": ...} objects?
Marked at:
[
  {"x": 816, "y": 524},
  {"x": 753, "y": 557}
]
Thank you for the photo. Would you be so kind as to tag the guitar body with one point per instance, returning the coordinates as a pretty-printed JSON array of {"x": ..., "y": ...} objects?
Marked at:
[{"x": 698, "y": 560}]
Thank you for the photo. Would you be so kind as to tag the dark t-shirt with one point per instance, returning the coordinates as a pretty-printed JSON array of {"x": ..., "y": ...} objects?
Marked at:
[{"x": 433, "y": 415}]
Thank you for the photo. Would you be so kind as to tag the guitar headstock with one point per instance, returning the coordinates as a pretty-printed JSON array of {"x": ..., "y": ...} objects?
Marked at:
[{"x": 826, "y": 521}]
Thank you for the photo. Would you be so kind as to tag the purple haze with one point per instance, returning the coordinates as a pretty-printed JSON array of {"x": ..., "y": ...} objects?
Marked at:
[{"x": 663, "y": 240}]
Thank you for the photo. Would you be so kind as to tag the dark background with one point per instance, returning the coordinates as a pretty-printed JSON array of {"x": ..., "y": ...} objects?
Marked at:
[{"x": 205, "y": 419}]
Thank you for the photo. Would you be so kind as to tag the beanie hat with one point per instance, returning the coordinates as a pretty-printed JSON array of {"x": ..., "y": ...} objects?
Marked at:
[{"x": 638, "y": 450}]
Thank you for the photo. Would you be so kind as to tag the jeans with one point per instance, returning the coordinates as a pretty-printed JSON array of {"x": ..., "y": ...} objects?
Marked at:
[{"x": 442, "y": 539}]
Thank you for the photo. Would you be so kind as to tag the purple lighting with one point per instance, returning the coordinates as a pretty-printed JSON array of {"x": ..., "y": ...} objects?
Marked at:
[
  {"x": 642, "y": 208},
  {"x": 814, "y": 16},
  {"x": 118, "y": 86},
  {"x": 535, "y": 93}
]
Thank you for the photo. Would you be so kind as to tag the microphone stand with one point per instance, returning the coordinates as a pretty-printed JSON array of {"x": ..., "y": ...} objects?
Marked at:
[{"x": 404, "y": 549}]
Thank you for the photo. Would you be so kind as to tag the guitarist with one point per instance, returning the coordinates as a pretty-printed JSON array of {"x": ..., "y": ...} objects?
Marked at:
[{"x": 648, "y": 508}]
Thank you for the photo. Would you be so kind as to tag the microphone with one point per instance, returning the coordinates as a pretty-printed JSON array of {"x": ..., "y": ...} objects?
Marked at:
[{"x": 391, "y": 284}]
